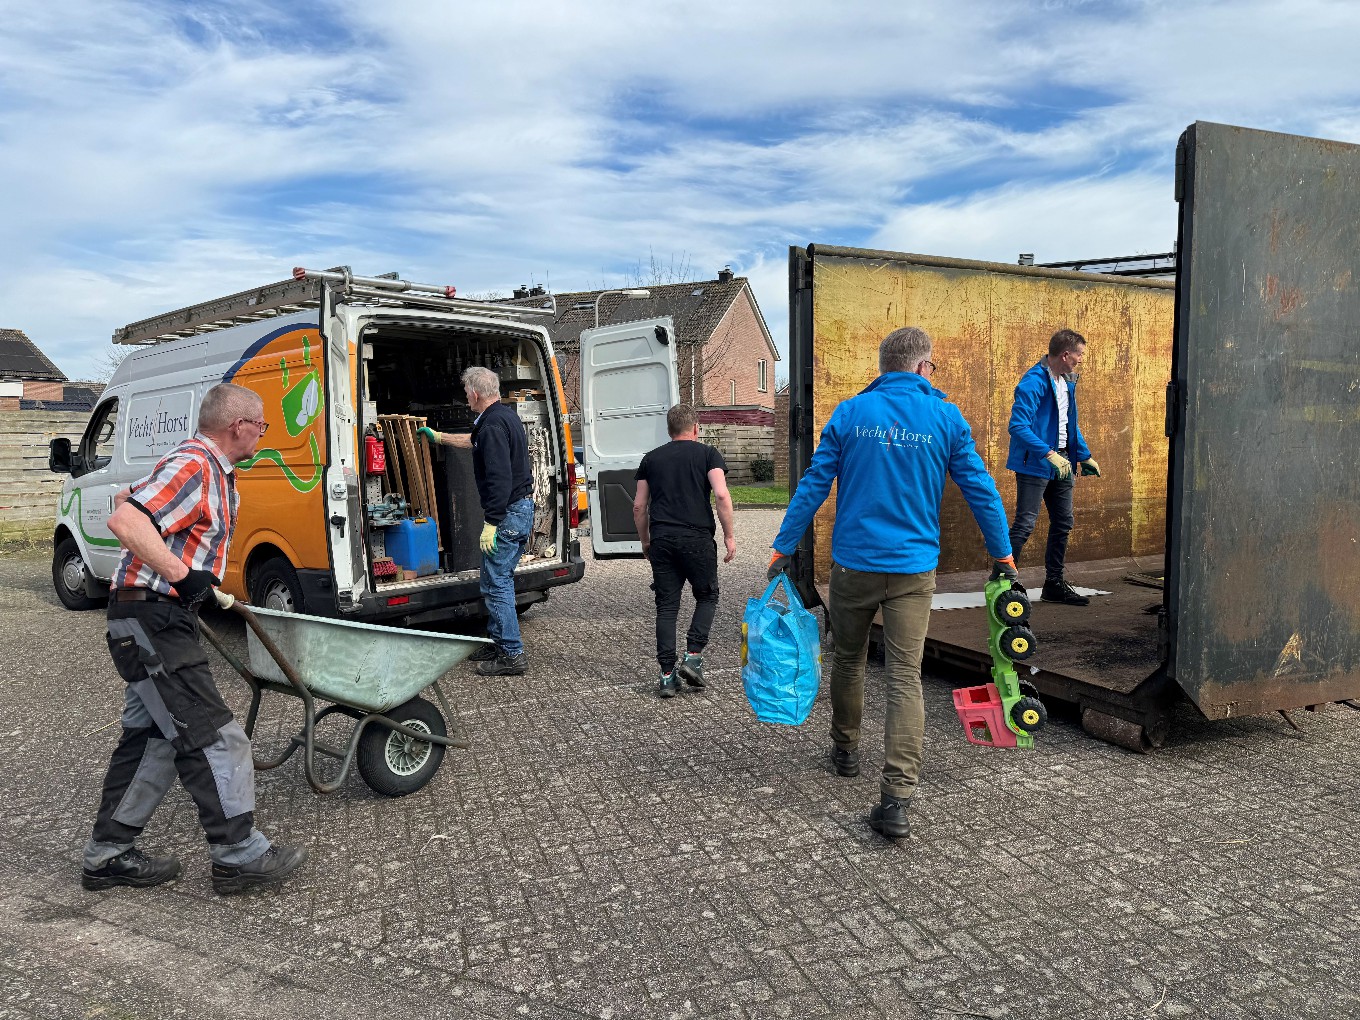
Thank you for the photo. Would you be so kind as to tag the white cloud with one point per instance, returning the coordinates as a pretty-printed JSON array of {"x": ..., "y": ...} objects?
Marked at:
[{"x": 155, "y": 153}]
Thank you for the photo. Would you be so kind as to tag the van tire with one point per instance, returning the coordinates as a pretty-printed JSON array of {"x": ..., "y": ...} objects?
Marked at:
[
  {"x": 393, "y": 764},
  {"x": 275, "y": 586},
  {"x": 68, "y": 576}
]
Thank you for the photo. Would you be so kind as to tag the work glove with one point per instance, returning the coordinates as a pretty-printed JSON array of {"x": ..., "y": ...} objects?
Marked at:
[
  {"x": 428, "y": 434},
  {"x": 195, "y": 588},
  {"x": 1005, "y": 568},
  {"x": 1090, "y": 467},
  {"x": 488, "y": 539},
  {"x": 779, "y": 564},
  {"x": 1062, "y": 467}
]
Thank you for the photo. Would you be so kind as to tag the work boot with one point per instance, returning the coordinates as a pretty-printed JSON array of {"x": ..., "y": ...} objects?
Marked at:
[
  {"x": 890, "y": 817},
  {"x": 504, "y": 665},
  {"x": 275, "y": 865},
  {"x": 131, "y": 867},
  {"x": 691, "y": 669},
  {"x": 1058, "y": 590},
  {"x": 669, "y": 686},
  {"x": 484, "y": 653},
  {"x": 845, "y": 761}
]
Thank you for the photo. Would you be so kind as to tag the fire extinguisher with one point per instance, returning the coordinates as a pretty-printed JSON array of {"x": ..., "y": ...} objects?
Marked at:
[{"x": 375, "y": 455}]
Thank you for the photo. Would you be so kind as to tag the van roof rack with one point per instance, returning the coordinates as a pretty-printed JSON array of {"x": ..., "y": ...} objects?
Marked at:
[{"x": 301, "y": 292}]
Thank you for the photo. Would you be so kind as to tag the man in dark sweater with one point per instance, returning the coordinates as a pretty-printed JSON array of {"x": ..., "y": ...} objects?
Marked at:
[
  {"x": 675, "y": 522},
  {"x": 505, "y": 485}
]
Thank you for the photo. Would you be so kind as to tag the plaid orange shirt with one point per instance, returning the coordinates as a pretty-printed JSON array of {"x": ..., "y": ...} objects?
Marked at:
[{"x": 191, "y": 498}]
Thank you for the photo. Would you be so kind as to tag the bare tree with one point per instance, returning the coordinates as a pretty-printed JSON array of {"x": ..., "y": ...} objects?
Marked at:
[
  {"x": 657, "y": 273},
  {"x": 109, "y": 359}
]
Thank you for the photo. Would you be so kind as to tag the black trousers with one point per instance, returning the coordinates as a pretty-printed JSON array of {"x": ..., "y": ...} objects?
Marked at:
[
  {"x": 175, "y": 724},
  {"x": 679, "y": 556},
  {"x": 1056, "y": 495}
]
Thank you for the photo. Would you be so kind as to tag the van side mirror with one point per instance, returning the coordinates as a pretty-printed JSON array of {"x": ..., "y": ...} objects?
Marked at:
[{"x": 59, "y": 456}]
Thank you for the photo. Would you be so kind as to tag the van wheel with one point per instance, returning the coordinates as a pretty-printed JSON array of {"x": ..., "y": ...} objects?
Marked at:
[
  {"x": 276, "y": 587},
  {"x": 68, "y": 576},
  {"x": 394, "y": 764}
]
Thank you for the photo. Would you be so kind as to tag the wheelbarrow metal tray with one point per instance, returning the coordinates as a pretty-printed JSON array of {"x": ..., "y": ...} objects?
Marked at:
[{"x": 357, "y": 664}]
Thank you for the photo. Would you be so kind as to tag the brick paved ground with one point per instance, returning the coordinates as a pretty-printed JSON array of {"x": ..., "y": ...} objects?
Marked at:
[{"x": 602, "y": 853}]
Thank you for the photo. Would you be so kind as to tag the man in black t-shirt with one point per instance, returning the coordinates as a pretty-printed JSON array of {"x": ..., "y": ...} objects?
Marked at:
[{"x": 675, "y": 522}]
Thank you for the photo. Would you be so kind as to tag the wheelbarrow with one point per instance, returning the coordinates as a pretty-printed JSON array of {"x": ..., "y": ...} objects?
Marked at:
[{"x": 371, "y": 674}]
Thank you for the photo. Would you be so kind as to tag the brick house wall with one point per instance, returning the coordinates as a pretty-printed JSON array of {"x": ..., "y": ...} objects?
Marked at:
[
  {"x": 43, "y": 390},
  {"x": 732, "y": 356}
]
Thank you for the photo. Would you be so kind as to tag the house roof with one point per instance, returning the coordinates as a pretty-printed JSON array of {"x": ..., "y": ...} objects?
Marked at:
[
  {"x": 696, "y": 308},
  {"x": 21, "y": 359}
]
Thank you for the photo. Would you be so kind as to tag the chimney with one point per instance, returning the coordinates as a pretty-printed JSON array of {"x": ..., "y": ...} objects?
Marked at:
[
  {"x": 522, "y": 291},
  {"x": 725, "y": 275},
  {"x": 536, "y": 291},
  {"x": 1026, "y": 259}
]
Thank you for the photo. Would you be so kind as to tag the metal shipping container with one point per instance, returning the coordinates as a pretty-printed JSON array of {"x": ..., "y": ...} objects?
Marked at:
[{"x": 1260, "y": 610}]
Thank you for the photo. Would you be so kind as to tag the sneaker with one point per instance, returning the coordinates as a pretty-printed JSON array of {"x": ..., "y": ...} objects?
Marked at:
[
  {"x": 889, "y": 818},
  {"x": 484, "y": 653},
  {"x": 131, "y": 867},
  {"x": 504, "y": 665},
  {"x": 275, "y": 865},
  {"x": 669, "y": 686},
  {"x": 691, "y": 670},
  {"x": 1058, "y": 590},
  {"x": 845, "y": 761}
]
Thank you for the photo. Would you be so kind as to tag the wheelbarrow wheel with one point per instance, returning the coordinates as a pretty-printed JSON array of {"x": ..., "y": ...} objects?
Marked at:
[{"x": 394, "y": 764}]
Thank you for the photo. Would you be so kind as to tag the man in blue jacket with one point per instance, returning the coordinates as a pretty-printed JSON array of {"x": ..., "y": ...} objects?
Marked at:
[
  {"x": 1046, "y": 448},
  {"x": 889, "y": 449}
]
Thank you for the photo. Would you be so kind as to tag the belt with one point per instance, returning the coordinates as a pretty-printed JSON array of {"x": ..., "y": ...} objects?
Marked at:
[{"x": 140, "y": 595}]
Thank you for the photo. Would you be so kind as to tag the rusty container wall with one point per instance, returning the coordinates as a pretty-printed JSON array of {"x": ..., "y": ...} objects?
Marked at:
[
  {"x": 1263, "y": 583},
  {"x": 990, "y": 323}
]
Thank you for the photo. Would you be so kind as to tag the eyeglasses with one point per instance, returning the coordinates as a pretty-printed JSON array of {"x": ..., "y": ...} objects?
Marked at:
[
  {"x": 263, "y": 426},
  {"x": 931, "y": 364}
]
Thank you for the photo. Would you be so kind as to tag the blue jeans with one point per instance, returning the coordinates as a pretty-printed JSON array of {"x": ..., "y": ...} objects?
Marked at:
[
  {"x": 1030, "y": 491},
  {"x": 498, "y": 576}
]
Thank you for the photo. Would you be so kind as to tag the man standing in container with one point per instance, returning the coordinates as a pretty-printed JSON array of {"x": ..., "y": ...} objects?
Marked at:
[
  {"x": 175, "y": 526},
  {"x": 674, "y": 520},
  {"x": 889, "y": 450},
  {"x": 1046, "y": 449},
  {"x": 505, "y": 485}
]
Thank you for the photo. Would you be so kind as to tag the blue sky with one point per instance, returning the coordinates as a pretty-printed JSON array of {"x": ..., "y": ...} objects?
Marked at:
[{"x": 160, "y": 153}]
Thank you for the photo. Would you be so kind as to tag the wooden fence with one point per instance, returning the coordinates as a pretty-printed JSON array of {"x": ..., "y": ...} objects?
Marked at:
[
  {"x": 739, "y": 445},
  {"x": 28, "y": 491}
]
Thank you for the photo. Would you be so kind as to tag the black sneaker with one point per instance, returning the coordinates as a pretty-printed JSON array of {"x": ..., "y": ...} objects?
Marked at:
[
  {"x": 845, "y": 761},
  {"x": 890, "y": 817},
  {"x": 669, "y": 686},
  {"x": 277, "y": 864},
  {"x": 504, "y": 665},
  {"x": 131, "y": 867},
  {"x": 485, "y": 653},
  {"x": 1058, "y": 590},
  {"x": 691, "y": 670}
]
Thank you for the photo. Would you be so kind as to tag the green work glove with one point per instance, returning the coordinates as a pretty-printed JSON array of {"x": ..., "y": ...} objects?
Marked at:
[
  {"x": 488, "y": 540},
  {"x": 1062, "y": 467},
  {"x": 427, "y": 433},
  {"x": 1090, "y": 467}
]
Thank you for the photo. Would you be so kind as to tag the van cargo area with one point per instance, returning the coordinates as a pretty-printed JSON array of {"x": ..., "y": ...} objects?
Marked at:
[{"x": 423, "y": 516}]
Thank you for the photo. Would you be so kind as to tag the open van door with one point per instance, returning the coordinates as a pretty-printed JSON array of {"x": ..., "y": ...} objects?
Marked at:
[{"x": 628, "y": 383}]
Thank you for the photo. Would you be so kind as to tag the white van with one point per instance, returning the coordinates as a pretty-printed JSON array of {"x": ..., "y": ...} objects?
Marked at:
[{"x": 338, "y": 515}]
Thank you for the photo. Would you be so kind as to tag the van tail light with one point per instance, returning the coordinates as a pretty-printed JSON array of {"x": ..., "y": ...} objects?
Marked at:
[{"x": 573, "y": 502}]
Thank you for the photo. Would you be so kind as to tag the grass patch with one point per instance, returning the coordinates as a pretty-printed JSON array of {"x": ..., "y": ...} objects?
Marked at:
[{"x": 768, "y": 495}]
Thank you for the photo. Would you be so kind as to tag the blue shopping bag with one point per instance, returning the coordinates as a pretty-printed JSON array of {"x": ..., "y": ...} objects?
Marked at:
[{"x": 781, "y": 655}]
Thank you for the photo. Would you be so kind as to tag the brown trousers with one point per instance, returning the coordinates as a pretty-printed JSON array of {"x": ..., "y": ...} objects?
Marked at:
[{"x": 905, "y": 600}]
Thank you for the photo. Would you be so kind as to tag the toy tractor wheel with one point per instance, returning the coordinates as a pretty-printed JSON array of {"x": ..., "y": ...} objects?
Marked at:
[
  {"x": 1017, "y": 643},
  {"x": 1029, "y": 714},
  {"x": 1012, "y": 607}
]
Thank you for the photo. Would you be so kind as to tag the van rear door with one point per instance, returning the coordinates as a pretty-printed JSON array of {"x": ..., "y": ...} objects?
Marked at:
[{"x": 628, "y": 383}]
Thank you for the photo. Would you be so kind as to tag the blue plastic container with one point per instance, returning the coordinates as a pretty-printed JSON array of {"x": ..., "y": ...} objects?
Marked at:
[{"x": 414, "y": 545}]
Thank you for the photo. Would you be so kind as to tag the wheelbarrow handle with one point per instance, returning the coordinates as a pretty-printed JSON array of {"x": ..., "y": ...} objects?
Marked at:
[{"x": 275, "y": 653}]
